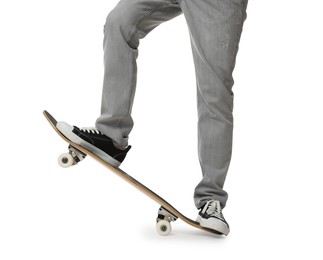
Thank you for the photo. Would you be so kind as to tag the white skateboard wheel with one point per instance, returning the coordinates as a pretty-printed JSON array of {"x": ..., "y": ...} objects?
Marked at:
[
  {"x": 65, "y": 160},
  {"x": 163, "y": 227}
]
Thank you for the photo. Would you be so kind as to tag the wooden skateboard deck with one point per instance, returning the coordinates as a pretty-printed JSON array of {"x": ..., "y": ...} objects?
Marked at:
[{"x": 167, "y": 212}]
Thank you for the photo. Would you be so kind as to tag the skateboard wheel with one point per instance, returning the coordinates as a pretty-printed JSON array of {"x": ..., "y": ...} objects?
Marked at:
[
  {"x": 163, "y": 227},
  {"x": 65, "y": 160}
]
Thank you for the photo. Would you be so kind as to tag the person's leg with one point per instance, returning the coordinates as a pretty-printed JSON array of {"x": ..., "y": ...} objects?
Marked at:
[
  {"x": 126, "y": 24},
  {"x": 215, "y": 27}
]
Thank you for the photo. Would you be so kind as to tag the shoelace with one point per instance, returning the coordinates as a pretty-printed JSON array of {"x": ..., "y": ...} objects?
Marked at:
[
  {"x": 213, "y": 208},
  {"x": 90, "y": 130}
]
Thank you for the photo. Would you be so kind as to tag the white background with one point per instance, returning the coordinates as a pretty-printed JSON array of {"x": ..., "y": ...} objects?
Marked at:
[{"x": 51, "y": 58}]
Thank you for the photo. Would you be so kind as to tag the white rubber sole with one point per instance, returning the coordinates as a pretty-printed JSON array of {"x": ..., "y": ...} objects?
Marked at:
[
  {"x": 67, "y": 130},
  {"x": 213, "y": 223}
]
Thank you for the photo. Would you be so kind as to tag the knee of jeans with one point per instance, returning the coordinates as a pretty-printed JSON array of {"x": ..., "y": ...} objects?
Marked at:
[{"x": 120, "y": 23}]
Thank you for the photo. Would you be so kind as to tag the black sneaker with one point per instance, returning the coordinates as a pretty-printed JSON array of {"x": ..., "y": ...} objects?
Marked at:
[
  {"x": 210, "y": 216},
  {"x": 94, "y": 141}
]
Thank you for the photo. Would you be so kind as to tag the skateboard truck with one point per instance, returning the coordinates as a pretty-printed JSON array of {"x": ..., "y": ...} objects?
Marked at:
[
  {"x": 73, "y": 156},
  {"x": 163, "y": 220}
]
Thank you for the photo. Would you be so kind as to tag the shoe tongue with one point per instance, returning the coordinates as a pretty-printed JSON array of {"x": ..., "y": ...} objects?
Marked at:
[{"x": 211, "y": 208}]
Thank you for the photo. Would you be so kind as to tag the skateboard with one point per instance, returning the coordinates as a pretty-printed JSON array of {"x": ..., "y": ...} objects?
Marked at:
[{"x": 166, "y": 213}]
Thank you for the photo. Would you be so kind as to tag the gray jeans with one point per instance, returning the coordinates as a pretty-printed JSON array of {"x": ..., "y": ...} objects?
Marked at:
[{"x": 215, "y": 27}]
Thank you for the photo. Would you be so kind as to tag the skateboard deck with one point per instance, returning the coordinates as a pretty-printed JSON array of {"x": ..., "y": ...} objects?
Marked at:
[{"x": 166, "y": 213}]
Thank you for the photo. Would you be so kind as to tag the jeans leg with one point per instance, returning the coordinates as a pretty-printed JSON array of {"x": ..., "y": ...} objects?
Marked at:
[
  {"x": 126, "y": 24},
  {"x": 215, "y": 27}
]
